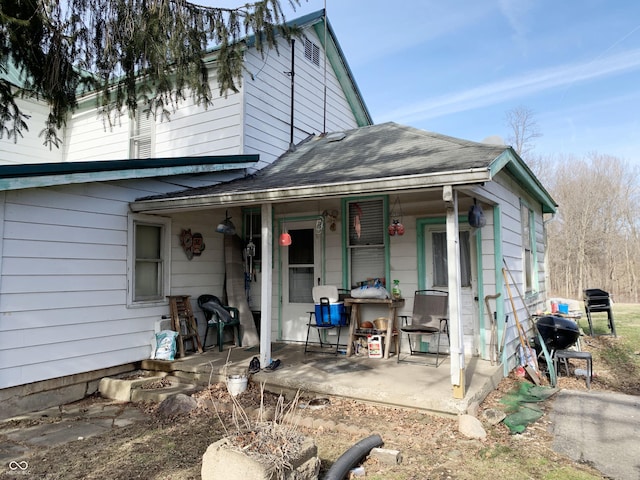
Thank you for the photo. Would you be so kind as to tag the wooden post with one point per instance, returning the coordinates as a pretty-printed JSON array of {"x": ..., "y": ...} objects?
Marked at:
[{"x": 450, "y": 197}]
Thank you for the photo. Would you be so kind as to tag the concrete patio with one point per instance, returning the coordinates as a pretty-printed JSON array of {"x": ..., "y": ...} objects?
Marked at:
[{"x": 385, "y": 381}]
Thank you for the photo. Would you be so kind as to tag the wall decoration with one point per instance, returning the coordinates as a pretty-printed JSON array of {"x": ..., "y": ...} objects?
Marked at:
[
  {"x": 396, "y": 227},
  {"x": 192, "y": 244}
]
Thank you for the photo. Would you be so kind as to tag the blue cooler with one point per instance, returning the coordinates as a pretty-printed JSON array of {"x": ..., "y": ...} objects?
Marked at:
[{"x": 328, "y": 311}]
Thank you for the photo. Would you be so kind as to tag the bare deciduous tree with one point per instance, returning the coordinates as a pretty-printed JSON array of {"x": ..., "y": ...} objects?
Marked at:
[
  {"x": 594, "y": 242},
  {"x": 523, "y": 131}
]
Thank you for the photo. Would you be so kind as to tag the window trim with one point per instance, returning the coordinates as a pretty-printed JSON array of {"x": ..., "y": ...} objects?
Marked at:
[
  {"x": 149, "y": 132},
  {"x": 531, "y": 276},
  {"x": 165, "y": 249},
  {"x": 425, "y": 223}
]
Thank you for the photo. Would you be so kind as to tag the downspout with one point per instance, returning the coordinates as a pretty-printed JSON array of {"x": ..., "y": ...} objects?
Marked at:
[{"x": 292, "y": 74}]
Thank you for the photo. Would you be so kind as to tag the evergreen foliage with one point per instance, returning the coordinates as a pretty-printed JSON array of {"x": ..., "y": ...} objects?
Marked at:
[{"x": 128, "y": 52}]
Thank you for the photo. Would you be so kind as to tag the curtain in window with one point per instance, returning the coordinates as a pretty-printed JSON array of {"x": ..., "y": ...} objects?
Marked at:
[{"x": 440, "y": 264}]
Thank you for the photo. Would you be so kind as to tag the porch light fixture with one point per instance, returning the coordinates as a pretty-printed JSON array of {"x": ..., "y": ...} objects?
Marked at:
[{"x": 226, "y": 226}]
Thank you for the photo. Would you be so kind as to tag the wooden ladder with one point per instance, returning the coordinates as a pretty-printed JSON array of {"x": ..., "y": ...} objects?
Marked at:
[{"x": 183, "y": 322}]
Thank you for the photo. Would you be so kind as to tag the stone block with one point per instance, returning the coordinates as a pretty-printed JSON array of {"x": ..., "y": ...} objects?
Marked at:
[{"x": 222, "y": 461}]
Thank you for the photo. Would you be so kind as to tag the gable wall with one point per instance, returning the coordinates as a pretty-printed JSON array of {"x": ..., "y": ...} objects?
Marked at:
[
  {"x": 267, "y": 110},
  {"x": 191, "y": 130}
]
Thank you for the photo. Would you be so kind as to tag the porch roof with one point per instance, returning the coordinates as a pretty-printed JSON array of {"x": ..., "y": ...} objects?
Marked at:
[
  {"x": 377, "y": 158},
  {"x": 19, "y": 176}
]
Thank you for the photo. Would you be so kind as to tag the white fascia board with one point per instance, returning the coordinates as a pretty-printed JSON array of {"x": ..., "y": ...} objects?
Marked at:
[{"x": 279, "y": 195}]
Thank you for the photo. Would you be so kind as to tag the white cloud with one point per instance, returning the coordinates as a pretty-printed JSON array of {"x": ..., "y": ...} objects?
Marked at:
[{"x": 517, "y": 87}]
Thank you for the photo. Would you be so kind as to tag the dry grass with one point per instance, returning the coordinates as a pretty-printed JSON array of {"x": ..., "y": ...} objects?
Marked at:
[{"x": 432, "y": 448}]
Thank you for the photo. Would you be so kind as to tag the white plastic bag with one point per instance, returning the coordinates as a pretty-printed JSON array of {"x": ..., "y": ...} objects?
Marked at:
[
  {"x": 370, "y": 292},
  {"x": 166, "y": 345}
]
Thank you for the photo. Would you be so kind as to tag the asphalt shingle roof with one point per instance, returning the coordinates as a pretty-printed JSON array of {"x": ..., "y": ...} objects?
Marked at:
[{"x": 388, "y": 150}]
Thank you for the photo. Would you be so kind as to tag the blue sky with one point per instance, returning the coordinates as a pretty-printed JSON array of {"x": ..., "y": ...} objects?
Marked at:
[{"x": 457, "y": 66}]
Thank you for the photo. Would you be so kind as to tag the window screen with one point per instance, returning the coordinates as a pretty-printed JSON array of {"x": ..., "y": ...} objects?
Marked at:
[
  {"x": 366, "y": 241},
  {"x": 301, "y": 265}
]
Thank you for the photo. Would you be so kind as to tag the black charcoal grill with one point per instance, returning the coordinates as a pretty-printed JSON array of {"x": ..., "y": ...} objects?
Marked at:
[
  {"x": 558, "y": 333},
  {"x": 598, "y": 301}
]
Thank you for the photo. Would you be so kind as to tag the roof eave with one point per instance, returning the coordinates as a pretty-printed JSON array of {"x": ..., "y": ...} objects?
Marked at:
[
  {"x": 285, "y": 194},
  {"x": 516, "y": 167},
  {"x": 15, "y": 177}
]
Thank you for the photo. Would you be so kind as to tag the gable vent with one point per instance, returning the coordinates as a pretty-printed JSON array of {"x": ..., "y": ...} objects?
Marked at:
[{"x": 311, "y": 52}]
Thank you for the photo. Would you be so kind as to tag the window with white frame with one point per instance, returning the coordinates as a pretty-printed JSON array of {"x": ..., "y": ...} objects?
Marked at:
[
  {"x": 440, "y": 274},
  {"x": 149, "y": 259},
  {"x": 366, "y": 245},
  {"x": 528, "y": 241},
  {"x": 141, "y": 135}
]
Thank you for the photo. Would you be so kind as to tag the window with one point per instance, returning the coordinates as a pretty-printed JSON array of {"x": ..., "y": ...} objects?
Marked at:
[
  {"x": 528, "y": 257},
  {"x": 440, "y": 265},
  {"x": 366, "y": 245},
  {"x": 301, "y": 265},
  {"x": 149, "y": 262},
  {"x": 142, "y": 128},
  {"x": 311, "y": 52}
]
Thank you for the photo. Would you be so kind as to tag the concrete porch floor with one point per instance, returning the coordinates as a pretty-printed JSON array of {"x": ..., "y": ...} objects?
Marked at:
[{"x": 384, "y": 381}]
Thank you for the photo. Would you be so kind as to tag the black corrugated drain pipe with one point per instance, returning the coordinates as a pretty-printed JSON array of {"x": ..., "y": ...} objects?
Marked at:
[{"x": 349, "y": 459}]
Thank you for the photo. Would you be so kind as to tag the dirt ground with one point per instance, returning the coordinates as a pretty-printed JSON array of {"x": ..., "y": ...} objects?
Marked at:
[{"x": 431, "y": 447}]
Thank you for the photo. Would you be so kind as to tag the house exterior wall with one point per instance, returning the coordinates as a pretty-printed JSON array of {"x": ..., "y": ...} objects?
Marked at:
[
  {"x": 507, "y": 193},
  {"x": 191, "y": 130},
  {"x": 256, "y": 119},
  {"x": 63, "y": 282},
  {"x": 29, "y": 148},
  {"x": 267, "y": 109}
]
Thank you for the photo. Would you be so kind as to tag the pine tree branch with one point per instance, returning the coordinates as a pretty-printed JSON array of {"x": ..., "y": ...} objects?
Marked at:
[{"x": 128, "y": 52}]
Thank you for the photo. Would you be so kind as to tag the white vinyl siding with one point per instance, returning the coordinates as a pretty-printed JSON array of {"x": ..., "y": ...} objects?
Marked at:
[
  {"x": 267, "y": 107},
  {"x": 29, "y": 148},
  {"x": 65, "y": 280}
]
